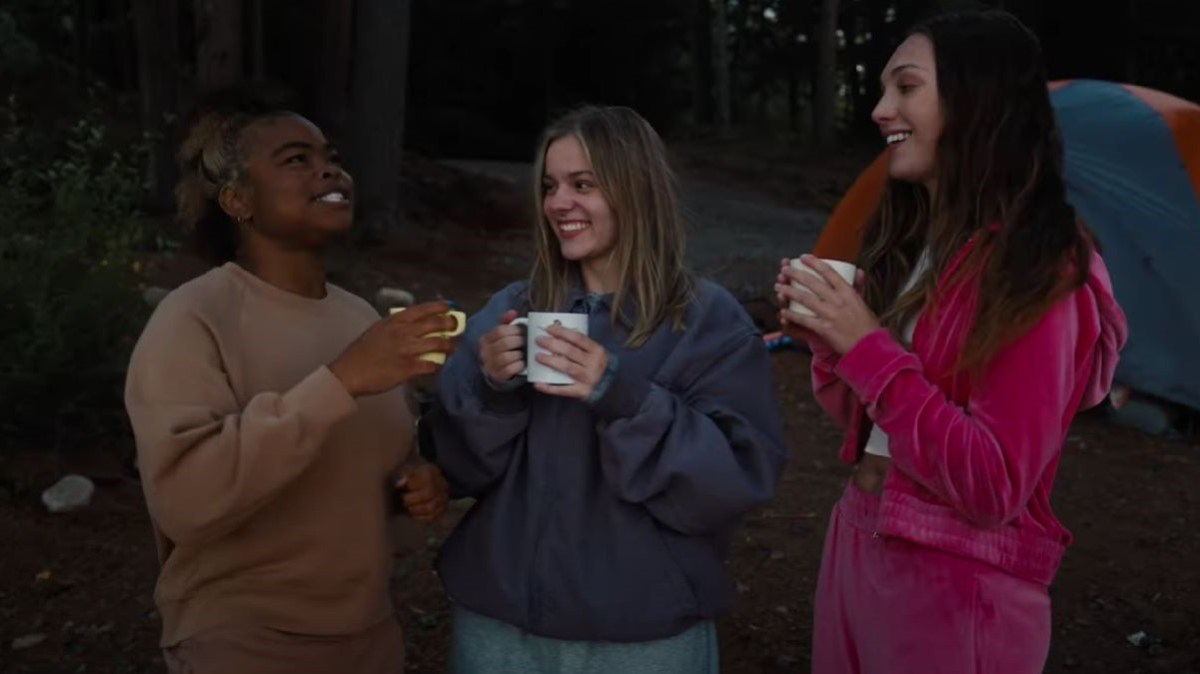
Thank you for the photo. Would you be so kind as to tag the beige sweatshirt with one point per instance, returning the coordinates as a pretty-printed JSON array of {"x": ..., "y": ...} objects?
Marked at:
[{"x": 267, "y": 483}]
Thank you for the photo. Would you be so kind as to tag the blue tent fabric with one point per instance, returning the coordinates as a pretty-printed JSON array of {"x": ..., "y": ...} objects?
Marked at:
[{"x": 1127, "y": 180}]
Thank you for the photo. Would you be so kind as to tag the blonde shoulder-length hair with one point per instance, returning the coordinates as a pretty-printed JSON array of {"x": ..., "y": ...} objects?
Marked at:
[{"x": 630, "y": 163}]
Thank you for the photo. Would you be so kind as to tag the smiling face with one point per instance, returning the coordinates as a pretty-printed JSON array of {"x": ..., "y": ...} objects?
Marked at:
[
  {"x": 909, "y": 113},
  {"x": 293, "y": 189},
  {"x": 576, "y": 210}
]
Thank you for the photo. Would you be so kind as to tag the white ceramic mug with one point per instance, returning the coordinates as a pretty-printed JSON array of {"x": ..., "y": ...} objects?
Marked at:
[
  {"x": 536, "y": 324},
  {"x": 843, "y": 269}
]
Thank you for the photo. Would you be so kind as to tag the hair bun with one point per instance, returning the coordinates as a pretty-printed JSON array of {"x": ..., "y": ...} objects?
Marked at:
[{"x": 209, "y": 159}]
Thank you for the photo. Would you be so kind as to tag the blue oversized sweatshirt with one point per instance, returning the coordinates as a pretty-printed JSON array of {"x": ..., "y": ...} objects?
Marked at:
[{"x": 609, "y": 521}]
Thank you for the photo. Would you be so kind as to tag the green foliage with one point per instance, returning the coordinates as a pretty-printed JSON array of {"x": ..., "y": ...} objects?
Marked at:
[
  {"x": 18, "y": 53},
  {"x": 69, "y": 300}
]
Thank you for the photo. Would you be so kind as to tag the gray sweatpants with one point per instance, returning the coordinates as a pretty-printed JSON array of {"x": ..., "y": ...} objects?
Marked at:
[{"x": 483, "y": 645}]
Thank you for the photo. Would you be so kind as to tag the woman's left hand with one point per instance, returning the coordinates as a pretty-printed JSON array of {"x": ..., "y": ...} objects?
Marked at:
[
  {"x": 572, "y": 353},
  {"x": 842, "y": 317}
]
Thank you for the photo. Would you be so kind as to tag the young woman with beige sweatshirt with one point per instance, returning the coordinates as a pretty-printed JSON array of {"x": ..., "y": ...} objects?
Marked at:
[{"x": 270, "y": 416}]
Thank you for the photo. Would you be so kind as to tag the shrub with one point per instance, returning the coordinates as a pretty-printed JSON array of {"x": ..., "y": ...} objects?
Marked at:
[{"x": 69, "y": 301}]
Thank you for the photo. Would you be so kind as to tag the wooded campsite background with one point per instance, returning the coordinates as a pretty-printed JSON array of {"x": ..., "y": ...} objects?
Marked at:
[{"x": 768, "y": 98}]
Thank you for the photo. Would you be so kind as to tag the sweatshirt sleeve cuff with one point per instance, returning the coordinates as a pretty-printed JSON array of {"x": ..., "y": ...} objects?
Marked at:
[
  {"x": 505, "y": 398},
  {"x": 622, "y": 395},
  {"x": 822, "y": 351},
  {"x": 322, "y": 397},
  {"x": 872, "y": 363},
  {"x": 606, "y": 379},
  {"x": 504, "y": 386}
]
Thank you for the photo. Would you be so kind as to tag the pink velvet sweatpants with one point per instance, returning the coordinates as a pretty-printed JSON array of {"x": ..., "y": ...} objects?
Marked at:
[{"x": 888, "y": 606}]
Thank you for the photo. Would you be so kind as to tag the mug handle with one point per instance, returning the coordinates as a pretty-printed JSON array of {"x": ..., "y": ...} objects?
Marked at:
[
  {"x": 523, "y": 321},
  {"x": 460, "y": 321},
  {"x": 460, "y": 326}
]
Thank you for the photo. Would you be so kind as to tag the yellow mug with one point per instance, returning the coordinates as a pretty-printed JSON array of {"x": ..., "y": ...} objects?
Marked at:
[{"x": 460, "y": 325}]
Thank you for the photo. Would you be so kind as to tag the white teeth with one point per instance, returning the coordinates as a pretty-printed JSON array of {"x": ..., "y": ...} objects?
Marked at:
[
  {"x": 894, "y": 138},
  {"x": 572, "y": 226},
  {"x": 333, "y": 198}
]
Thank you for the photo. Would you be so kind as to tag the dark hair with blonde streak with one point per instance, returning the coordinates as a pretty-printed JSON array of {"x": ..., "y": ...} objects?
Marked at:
[
  {"x": 998, "y": 164},
  {"x": 211, "y": 156},
  {"x": 635, "y": 177}
]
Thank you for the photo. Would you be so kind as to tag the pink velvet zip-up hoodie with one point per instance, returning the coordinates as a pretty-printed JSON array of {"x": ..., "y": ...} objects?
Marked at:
[{"x": 974, "y": 458}]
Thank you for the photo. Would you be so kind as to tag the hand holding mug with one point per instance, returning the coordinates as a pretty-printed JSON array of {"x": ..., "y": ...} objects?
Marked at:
[
  {"x": 783, "y": 300},
  {"x": 460, "y": 325},
  {"x": 822, "y": 300},
  {"x": 502, "y": 350},
  {"x": 391, "y": 351},
  {"x": 575, "y": 355}
]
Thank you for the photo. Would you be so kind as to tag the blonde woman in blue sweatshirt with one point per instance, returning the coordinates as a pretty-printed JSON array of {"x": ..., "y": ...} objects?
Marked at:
[{"x": 604, "y": 507}]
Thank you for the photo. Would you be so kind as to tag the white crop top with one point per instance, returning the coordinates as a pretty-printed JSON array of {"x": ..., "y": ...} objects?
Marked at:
[{"x": 877, "y": 441}]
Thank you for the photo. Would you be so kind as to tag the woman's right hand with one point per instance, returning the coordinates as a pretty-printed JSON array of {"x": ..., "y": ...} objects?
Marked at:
[
  {"x": 389, "y": 352},
  {"x": 783, "y": 301},
  {"x": 785, "y": 292},
  {"x": 502, "y": 350}
]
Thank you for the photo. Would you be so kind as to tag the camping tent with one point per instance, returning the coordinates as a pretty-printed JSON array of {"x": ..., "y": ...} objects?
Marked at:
[{"x": 1132, "y": 164}]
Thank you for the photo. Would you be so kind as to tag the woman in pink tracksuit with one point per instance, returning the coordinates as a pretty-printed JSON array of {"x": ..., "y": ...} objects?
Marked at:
[{"x": 982, "y": 321}]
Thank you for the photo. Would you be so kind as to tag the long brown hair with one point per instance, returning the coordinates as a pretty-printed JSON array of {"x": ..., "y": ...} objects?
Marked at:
[
  {"x": 999, "y": 178},
  {"x": 634, "y": 175}
]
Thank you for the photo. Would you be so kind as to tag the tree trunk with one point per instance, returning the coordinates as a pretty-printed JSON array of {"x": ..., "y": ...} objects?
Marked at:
[
  {"x": 377, "y": 111},
  {"x": 722, "y": 65},
  {"x": 873, "y": 56},
  {"x": 156, "y": 24},
  {"x": 218, "y": 43},
  {"x": 333, "y": 66},
  {"x": 258, "y": 65},
  {"x": 124, "y": 75},
  {"x": 83, "y": 47},
  {"x": 1131, "y": 44},
  {"x": 702, "y": 57},
  {"x": 825, "y": 105},
  {"x": 793, "y": 97},
  {"x": 549, "y": 75}
]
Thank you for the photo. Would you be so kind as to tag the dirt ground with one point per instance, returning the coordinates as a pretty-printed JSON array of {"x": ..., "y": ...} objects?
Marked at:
[{"x": 83, "y": 580}]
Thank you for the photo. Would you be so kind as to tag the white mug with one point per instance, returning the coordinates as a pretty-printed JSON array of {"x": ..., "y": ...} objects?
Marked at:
[
  {"x": 843, "y": 269},
  {"x": 536, "y": 323}
]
